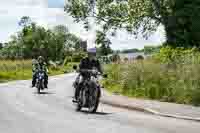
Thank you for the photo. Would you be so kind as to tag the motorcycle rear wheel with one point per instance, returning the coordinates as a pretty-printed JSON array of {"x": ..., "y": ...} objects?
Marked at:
[{"x": 39, "y": 87}]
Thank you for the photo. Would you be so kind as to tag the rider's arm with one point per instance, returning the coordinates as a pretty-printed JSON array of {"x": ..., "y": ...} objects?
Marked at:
[
  {"x": 46, "y": 68},
  {"x": 35, "y": 67},
  {"x": 81, "y": 65}
]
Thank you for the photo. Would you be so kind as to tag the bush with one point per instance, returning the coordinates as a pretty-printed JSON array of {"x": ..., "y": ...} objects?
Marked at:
[
  {"x": 67, "y": 60},
  {"x": 76, "y": 57},
  {"x": 180, "y": 55},
  {"x": 126, "y": 59},
  {"x": 139, "y": 57},
  {"x": 115, "y": 58}
]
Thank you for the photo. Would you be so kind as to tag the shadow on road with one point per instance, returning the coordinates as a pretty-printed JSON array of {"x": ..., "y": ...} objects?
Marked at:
[
  {"x": 43, "y": 93},
  {"x": 96, "y": 113}
]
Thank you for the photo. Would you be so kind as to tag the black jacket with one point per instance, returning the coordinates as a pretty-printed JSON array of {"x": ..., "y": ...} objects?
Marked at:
[{"x": 89, "y": 64}]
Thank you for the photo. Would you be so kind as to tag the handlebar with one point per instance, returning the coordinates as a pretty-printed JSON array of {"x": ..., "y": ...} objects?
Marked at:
[
  {"x": 40, "y": 70},
  {"x": 93, "y": 71}
]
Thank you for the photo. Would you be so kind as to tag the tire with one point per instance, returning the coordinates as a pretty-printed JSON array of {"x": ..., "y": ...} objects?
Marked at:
[
  {"x": 94, "y": 108},
  {"x": 39, "y": 87}
]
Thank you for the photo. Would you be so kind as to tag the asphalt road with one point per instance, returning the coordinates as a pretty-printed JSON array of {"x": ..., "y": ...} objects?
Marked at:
[{"x": 22, "y": 110}]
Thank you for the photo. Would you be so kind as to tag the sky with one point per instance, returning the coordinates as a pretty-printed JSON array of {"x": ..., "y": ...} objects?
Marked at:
[{"x": 49, "y": 13}]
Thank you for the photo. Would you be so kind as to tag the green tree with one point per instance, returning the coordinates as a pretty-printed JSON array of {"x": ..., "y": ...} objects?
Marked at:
[
  {"x": 104, "y": 43},
  {"x": 180, "y": 18},
  {"x": 61, "y": 29},
  {"x": 25, "y": 21},
  {"x": 60, "y": 37},
  {"x": 151, "y": 49},
  {"x": 34, "y": 40},
  {"x": 1, "y": 46},
  {"x": 130, "y": 50}
]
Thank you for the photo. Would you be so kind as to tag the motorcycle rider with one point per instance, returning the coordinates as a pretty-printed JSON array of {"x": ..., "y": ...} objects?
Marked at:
[
  {"x": 40, "y": 65},
  {"x": 88, "y": 63}
]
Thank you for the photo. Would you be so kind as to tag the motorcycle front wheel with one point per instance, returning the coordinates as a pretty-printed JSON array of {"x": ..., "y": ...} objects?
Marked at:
[
  {"x": 39, "y": 87},
  {"x": 38, "y": 90},
  {"x": 94, "y": 101}
]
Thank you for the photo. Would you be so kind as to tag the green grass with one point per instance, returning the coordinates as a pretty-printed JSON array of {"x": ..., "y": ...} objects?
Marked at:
[
  {"x": 152, "y": 80},
  {"x": 22, "y": 70}
]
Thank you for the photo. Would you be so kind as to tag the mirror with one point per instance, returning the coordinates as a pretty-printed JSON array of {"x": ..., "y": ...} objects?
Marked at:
[
  {"x": 105, "y": 75},
  {"x": 75, "y": 67}
]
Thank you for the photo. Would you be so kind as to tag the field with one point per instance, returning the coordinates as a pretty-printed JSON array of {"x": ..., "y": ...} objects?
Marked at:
[
  {"x": 149, "y": 79},
  {"x": 22, "y": 69}
]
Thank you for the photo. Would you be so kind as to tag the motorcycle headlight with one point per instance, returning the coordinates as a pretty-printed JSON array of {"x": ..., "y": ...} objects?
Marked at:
[{"x": 41, "y": 75}]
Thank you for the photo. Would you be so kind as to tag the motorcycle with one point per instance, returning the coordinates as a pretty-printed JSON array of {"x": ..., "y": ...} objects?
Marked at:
[
  {"x": 90, "y": 91},
  {"x": 40, "y": 81}
]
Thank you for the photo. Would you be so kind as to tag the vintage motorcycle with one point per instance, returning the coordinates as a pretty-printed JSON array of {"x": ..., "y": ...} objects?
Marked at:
[
  {"x": 90, "y": 90},
  {"x": 40, "y": 81}
]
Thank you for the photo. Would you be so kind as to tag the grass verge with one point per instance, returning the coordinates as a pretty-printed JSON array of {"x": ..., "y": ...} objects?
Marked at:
[
  {"x": 152, "y": 80},
  {"x": 22, "y": 70}
]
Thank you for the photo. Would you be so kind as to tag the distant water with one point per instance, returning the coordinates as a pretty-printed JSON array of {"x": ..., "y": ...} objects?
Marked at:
[{"x": 131, "y": 55}]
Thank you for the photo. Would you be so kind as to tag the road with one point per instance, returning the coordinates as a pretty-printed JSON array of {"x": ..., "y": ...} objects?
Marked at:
[{"x": 24, "y": 111}]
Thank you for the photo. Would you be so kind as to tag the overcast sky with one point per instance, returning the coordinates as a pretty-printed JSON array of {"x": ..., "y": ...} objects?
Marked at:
[{"x": 50, "y": 12}]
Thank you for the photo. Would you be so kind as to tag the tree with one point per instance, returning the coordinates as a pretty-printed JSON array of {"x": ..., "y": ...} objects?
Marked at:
[
  {"x": 151, "y": 49},
  {"x": 25, "y": 21},
  {"x": 34, "y": 40},
  {"x": 1, "y": 46},
  {"x": 61, "y": 29},
  {"x": 180, "y": 18},
  {"x": 130, "y": 50},
  {"x": 60, "y": 35},
  {"x": 104, "y": 43},
  {"x": 73, "y": 42}
]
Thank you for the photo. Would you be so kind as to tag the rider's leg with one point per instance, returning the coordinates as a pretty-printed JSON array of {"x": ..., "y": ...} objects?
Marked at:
[
  {"x": 34, "y": 79},
  {"x": 76, "y": 86},
  {"x": 46, "y": 81},
  {"x": 77, "y": 90}
]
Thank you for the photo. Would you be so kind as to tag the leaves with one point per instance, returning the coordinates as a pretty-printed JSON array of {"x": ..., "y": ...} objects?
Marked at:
[
  {"x": 35, "y": 40},
  {"x": 110, "y": 14},
  {"x": 179, "y": 17},
  {"x": 103, "y": 42}
]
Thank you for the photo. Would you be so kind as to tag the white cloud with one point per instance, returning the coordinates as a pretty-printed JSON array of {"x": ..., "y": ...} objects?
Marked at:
[
  {"x": 24, "y": 3},
  {"x": 12, "y": 10}
]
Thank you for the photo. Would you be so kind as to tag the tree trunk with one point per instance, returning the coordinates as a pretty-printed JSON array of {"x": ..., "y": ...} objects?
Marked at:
[{"x": 170, "y": 30}]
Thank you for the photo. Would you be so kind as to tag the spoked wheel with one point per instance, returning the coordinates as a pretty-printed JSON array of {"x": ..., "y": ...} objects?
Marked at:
[{"x": 94, "y": 101}]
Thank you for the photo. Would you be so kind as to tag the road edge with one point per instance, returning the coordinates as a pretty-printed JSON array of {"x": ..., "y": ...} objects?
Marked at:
[{"x": 141, "y": 109}]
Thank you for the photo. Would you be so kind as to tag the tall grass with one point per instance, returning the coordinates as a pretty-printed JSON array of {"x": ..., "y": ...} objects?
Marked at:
[
  {"x": 15, "y": 69},
  {"x": 150, "y": 79},
  {"x": 22, "y": 69}
]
